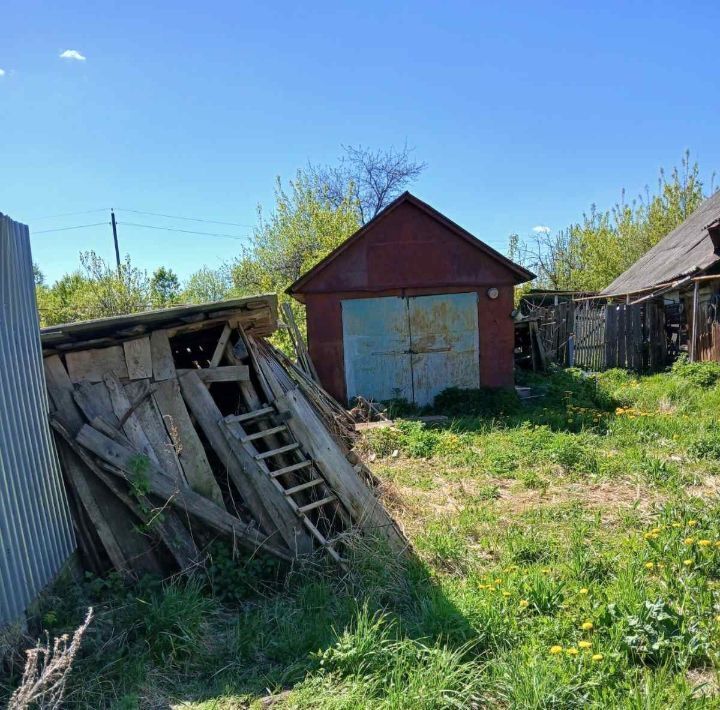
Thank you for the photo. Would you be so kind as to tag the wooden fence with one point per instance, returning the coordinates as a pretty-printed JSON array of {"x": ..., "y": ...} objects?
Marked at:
[{"x": 595, "y": 336}]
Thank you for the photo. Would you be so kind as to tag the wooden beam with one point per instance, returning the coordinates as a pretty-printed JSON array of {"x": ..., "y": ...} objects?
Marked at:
[
  {"x": 221, "y": 345},
  {"x": 695, "y": 320},
  {"x": 228, "y": 373},
  {"x": 190, "y": 450},
  {"x": 124, "y": 460}
]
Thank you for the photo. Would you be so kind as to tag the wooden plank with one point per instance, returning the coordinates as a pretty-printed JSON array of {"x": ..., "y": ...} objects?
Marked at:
[
  {"x": 138, "y": 358},
  {"x": 60, "y": 391},
  {"x": 317, "y": 504},
  {"x": 227, "y": 373},
  {"x": 290, "y": 468},
  {"x": 275, "y": 452},
  {"x": 163, "y": 363},
  {"x": 364, "y": 508},
  {"x": 266, "y": 504},
  {"x": 247, "y": 416},
  {"x": 188, "y": 446},
  {"x": 131, "y": 427},
  {"x": 166, "y": 523},
  {"x": 304, "y": 486},
  {"x": 264, "y": 433},
  {"x": 610, "y": 337},
  {"x": 152, "y": 424},
  {"x": 122, "y": 461},
  {"x": 221, "y": 345},
  {"x": 91, "y": 365}
]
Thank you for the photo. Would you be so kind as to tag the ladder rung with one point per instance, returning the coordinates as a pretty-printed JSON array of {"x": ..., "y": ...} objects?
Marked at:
[
  {"x": 250, "y": 415},
  {"x": 275, "y": 452},
  {"x": 288, "y": 469},
  {"x": 261, "y": 434},
  {"x": 316, "y": 504},
  {"x": 303, "y": 486}
]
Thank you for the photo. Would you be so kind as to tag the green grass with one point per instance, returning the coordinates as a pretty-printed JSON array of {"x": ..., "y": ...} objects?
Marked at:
[{"x": 564, "y": 556}]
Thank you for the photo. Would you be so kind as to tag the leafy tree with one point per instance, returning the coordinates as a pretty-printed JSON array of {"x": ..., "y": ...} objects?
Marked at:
[
  {"x": 588, "y": 255},
  {"x": 95, "y": 290},
  {"x": 164, "y": 288},
  {"x": 374, "y": 178},
  {"x": 207, "y": 285}
]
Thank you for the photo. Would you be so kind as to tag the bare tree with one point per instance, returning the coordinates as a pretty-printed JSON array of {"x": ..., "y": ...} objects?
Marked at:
[{"x": 373, "y": 177}]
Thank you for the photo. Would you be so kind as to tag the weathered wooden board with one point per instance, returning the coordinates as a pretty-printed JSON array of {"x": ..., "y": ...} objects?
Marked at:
[
  {"x": 152, "y": 424},
  {"x": 188, "y": 446},
  {"x": 221, "y": 345},
  {"x": 131, "y": 427},
  {"x": 163, "y": 363},
  {"x": 196, "y": 505},
  {"x": 60, "y": 390},
  {"x": 91, "y": 365},
  {"x": 365, "y": 509},
  {"x": 229, "y": 373},
  {"x": 138, "y": 358}
]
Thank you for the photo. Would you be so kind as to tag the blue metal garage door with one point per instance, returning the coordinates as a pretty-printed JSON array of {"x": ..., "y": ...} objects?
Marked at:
[{"x": 410, "y": 348}]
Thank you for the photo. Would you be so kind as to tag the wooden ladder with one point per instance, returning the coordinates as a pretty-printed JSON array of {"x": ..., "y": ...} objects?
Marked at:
[{"x": 236, "y": 426}]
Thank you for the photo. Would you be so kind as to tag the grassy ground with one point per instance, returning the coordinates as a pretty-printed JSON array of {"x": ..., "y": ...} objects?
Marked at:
[{"x": 567, "y": 554}]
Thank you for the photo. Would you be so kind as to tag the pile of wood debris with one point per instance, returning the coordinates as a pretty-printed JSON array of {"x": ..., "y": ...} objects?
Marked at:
[{"x": 178, "y": 426}]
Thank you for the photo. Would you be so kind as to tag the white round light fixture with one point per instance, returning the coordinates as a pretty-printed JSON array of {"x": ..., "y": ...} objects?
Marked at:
[{"x": 493, "y": 293}]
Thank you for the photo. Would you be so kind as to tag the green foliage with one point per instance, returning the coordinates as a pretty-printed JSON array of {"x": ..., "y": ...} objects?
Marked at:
[
  {"x": 207, "y": 285},
  {"x": 456, "y": 402},
  {"x": 698, "y": 374},
  {"x": 95, "y": 290},
  {"x": 588, "y": 255},
  {"x": 164, "y": 288}
]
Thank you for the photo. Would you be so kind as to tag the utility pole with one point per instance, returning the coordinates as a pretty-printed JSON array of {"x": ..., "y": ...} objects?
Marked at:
[{"x": 117, "y": 248}]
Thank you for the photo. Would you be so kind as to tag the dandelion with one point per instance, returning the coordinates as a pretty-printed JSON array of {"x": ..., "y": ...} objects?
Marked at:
[
  {"x": 687, "y": 562},
  {"x": 597, "y": 657},
  {"x": 586, "y": 625},
  {"x": 692, "y": 523},
  {"x": 506, "y": 594},
  {"x": 584, "y": 644},
  {"x": 554, "y": 650},
  {"x": 677, "y": 525},
  {"x": 704, "y": 543},
  {"x": 524, "y": 604},
  {"x": 584, "y": 590},
  {"x": 717, "y": 618},
  {"x": 649, "y": 565},
  {"x": 572, "y": 651},
  {"x": 689, "y": 540},
  {"x": 717, "y": 543},
  {"x": 498, "y": 581}
]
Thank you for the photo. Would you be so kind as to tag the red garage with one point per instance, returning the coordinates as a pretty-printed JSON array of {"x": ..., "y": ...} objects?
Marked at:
[{"x": 409, "y": 305}]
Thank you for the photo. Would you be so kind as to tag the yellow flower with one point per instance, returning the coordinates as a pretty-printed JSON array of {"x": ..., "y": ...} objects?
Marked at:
[
  {"x": 498, "y": 581},
  {"x": 649, "y": 565},
  {"x": 656, "y": 530},
  {"x": 524, "y": 603},
  {"x": 687, "y": 562},
  {"x": 717, "y": 543},
  {"x": 692, "y": 523},
  {"x": 717, "y": 618},
  {"x": 584, "y": 590},
  {"x": 689, "y": 540},
  {"x": 597, "y": 657},
  {"x": 584, "y": 644},
  {"x": 586, "y": 625},
  {"x": 554, "y": 650},
  {"x": 572, "y": 652},
  {"x": 506, "y": 594},
  {"x": 704, "y": 543},
  {"x": 677, "y": 525}
]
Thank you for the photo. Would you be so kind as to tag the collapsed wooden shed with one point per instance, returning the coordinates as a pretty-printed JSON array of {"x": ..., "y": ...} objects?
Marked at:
[{"x": 180, "y": 425}]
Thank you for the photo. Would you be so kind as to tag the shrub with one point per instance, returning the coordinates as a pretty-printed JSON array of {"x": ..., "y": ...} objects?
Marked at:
[{"x": 699, "y": 374}]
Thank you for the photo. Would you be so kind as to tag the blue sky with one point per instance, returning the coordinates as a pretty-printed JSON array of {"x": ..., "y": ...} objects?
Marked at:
[{"x": 526, "y": 113}]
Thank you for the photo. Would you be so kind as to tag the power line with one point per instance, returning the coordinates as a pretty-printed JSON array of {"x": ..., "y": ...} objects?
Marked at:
[
  {"x": 64, "y": 229},
  {"x": 185, "y": 231},
  {"x": 188, "y": 219},
  {"x": 68, "y": 214}
]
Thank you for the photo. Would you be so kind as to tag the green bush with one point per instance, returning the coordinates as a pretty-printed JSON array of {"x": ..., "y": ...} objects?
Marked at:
[{"x": 699, "y": 374}]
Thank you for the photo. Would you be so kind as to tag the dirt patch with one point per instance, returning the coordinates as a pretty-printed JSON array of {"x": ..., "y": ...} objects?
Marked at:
[{"x": 704, "y": 682}]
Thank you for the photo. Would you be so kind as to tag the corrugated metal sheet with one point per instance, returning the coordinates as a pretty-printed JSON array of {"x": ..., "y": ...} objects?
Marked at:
[{"x": 36, "y": 535}]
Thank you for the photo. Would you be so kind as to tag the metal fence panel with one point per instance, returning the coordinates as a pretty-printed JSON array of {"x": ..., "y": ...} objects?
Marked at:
[{"x": 36, "y": 536}]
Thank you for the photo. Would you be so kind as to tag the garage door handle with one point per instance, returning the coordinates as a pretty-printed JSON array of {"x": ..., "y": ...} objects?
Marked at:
[{"x": 430, "y": 350}]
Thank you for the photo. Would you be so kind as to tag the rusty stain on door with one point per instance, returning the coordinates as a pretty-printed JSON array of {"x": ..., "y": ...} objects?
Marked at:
[{"x": 410, "y": 348}]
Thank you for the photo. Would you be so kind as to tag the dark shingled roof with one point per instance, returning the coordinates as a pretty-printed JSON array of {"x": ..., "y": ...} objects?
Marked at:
[{"x": 689, "y": 249}]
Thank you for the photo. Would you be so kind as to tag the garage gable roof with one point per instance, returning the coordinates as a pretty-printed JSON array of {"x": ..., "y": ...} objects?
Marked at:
[{"x": 302, "y": 283}]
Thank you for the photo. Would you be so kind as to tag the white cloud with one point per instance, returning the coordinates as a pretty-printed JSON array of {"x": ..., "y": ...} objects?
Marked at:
[
  {"x": 72, "y": 54},
  {"x": 2, "y": 72},
  {"x": 541, "y": 229}
]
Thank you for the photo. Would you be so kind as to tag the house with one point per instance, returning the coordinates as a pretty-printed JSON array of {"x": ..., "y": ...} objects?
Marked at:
[
  {"x": 682, "y": 271},
  {"x": 409, "y": 305}
]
